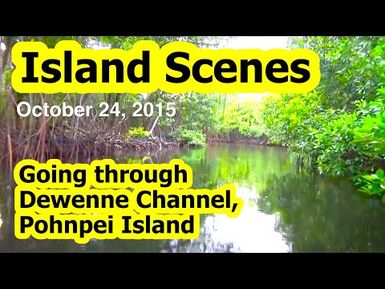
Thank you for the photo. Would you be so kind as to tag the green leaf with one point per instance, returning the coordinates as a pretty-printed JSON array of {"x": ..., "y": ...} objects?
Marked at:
[
  {"x": 370, "y": 177},
  {"x": 380, "y": 173}
]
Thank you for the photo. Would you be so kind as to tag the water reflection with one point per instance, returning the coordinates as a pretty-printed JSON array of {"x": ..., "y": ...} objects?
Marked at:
[
  {"x": 285, "y": 209},
  {"x": 247, "y": 168},
  {"x": 321, "y": 214},
  {"x": 251, "y": 231}
]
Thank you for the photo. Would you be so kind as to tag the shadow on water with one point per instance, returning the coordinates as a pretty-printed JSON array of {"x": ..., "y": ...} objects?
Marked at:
[
  {"x": 285, "y": 209},
  {"x": 321, "y": 214}
]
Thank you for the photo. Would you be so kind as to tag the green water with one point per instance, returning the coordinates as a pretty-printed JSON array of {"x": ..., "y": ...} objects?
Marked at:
[{"x": 285, "y": 209}]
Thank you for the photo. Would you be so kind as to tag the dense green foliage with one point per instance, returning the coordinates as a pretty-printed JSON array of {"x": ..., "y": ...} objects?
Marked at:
[
  {"x": 241, "y": 118},
  {"x": 197, "y": 117},
  {"x": 340, "y": 126}
]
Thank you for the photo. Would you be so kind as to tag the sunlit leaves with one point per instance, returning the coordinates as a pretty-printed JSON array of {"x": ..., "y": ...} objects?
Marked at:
[{"x": 340, "y": 125}]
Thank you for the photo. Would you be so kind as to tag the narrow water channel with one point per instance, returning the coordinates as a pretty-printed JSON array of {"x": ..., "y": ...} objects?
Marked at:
[{"x": 285, "y": 209}]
